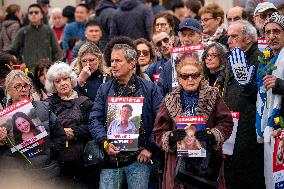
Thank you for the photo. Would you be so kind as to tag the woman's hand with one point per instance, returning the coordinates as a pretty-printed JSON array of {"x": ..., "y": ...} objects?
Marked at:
[
  {"x": 269, "y": 81},
  {"x": 84, "y": 75},
  {"x": 144, "y": 156},
  {"x": 69, "y": 132},
  {"x": 3, "y": 134}
]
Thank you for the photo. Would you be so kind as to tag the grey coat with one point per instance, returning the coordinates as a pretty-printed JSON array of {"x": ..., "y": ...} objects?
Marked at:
[{"x": 8, "y": 33}]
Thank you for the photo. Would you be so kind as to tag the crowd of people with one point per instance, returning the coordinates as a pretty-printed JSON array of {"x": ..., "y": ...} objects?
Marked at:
[{"x": 70, "y": 61}]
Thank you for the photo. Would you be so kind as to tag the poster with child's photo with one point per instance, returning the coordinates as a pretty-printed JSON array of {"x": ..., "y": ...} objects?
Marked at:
[
  {"x": 123, "y": 122},
  {"x": 26, "y": 133},
  {"x": 189, "y": 146}
]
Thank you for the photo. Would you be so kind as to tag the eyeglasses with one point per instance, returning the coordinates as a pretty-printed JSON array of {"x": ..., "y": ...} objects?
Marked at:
[
  {"x": 33, "y": 12},
  {"x": 20, "y": 87},
  {"x": 90, "y": 60},
  {"x": 160, "y": 25},
  {"x": 264, "y": 16},
  {"x": 143, "y": 52},
  {"x": 213, "y": 55},
  {"x": 205, "y": 20},
  {"x": 273, "y": 31},
  {"x": 165, "y": 40},
  {"x": 185, "y": 76}
]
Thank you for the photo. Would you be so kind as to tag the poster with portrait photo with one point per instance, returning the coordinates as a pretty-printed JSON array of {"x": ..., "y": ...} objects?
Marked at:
[
  {"x": 123, "y": 122},
  {"x": 26, "y": 132},
  {"x": 179, "y": 53},
  {"x": 278, "y": 161},
  {"x": 189, "y": 146}
]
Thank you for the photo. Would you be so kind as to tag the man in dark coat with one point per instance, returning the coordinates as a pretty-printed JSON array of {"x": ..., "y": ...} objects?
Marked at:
[
  {"x": 133, "y": 19},
  {"x": 132, "y": 164},
  {"x": 244, "y": 169}
]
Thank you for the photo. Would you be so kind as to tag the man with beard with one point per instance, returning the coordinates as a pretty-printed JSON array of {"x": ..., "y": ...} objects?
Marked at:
[
  {"x": 163, "y": 43},
  {"x": 261, "y": 13},
  {"x": 274, "y": 34}
]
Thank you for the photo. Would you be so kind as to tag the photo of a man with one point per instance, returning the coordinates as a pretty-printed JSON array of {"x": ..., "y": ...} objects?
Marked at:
[{"x": 123, "y": 125}]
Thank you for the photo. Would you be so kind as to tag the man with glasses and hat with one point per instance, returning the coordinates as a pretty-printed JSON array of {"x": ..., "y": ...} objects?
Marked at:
[
  {"x": 261, "y": 13},
  {"x": 36, "y": 40}
]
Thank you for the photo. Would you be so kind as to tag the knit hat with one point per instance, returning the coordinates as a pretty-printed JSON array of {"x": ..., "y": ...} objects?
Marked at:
[{"x": 275, "y": 18}]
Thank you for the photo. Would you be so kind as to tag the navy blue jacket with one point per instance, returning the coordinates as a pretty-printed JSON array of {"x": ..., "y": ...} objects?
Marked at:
[
  {"x": 152, "y": 100},
  {"x": 165, "y": 79},
  {"x": 155, "y": 68}
]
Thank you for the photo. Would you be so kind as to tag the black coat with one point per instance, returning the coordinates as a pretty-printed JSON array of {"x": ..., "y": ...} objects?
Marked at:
[
  {"x": 133, "y": 19},
  {"x": 245, "y": 168}
]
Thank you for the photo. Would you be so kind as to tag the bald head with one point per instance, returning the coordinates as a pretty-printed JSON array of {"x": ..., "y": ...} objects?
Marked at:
[{"x": 234, "y": 14}]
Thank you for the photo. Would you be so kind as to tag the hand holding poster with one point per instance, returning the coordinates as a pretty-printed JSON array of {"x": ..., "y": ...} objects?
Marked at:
[
  {"x": 123, "y": 122},
  {"x": 29, "y": 136},
  {"x": 190, "y": 146}
]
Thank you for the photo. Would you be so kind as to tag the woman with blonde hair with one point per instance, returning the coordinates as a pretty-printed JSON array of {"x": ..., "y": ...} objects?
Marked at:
[
  {"x": 189, "y": 142},
  {"x": 90, "y": 70}
]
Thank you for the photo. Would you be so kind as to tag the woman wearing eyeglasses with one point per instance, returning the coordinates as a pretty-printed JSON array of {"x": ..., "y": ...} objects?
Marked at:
[
  {"x": 44, "y": 166},
  {"x": 146, "y": 54},
  {"x": 214, "y": 61},
  {"x": 91, "y": 70},
  {"x": 193, "y": 96}
]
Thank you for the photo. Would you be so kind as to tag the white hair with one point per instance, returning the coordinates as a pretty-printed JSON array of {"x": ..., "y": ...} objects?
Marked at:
[
  {"x": 58, "y": 70},
  {"x": 56, "y": 10},
  {"x": 247, "y": 28}
]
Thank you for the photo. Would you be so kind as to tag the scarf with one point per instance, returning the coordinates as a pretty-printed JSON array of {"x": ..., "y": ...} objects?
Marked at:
[{"x": 208, "y": 39}]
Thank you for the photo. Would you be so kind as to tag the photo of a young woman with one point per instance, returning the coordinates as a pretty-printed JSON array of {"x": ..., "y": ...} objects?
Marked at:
[
  {"x": 23, "y": 127},
  {"x": 189, "y": 142}
]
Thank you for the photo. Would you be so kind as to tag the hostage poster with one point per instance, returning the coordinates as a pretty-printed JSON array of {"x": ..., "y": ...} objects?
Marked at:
[
  {"x": 123, "y": 122},
  {"x": 278, "y": 161},
  {"x": 181, "y": 53},
  {"x": 26, "y": 133},
  {"x": 189, "y": 146}
]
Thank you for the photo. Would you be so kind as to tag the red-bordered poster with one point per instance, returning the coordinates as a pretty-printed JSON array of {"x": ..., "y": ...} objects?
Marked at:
[
  {"x": 179, "y": 53},
  {"x": 123, "y": 122},
  {"x": 278, "y": 161},
  {"x": 262, "y": 44},
  {"x": 26, "y": 133},
  {"x": 190, "y": 146}
]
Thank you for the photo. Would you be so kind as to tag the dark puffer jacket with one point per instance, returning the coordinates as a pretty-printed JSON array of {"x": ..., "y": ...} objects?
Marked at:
[
  {"x": 45, "y": 164},
  {"x": 98, "y": 116}
]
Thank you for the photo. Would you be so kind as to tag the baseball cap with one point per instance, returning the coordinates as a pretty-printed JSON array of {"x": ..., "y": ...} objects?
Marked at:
[
  {"x": 261, "y": 7},
  {"x": 190, "y": 23}
]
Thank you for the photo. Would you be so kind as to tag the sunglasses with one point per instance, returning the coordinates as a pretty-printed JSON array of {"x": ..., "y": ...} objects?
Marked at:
[
  {"x": 186, "y": 76},
  {"x": 33, "y": 12},
  {"x": 165, "y": 40},
  {"x": 143, "y": 52}
]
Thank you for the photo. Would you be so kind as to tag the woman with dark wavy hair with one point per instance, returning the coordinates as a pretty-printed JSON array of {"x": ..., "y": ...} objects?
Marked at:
[
  {"x": 23, "y": 127},
  {"x": 214, "y": 61}
]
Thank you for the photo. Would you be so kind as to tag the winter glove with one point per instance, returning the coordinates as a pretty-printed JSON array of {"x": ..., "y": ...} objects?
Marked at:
[
  {"x": 175, "y": 136},
  {"x": 241, "y": 70},
  {"x": 206, "y": 135}
]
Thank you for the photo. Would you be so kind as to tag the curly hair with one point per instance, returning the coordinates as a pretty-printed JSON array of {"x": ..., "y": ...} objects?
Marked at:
[
  {"x": 18, "y": 134},
  {"x": 170, "y": 19},
  {"x": 214, "y": 9},
  {"x": 58, "y": 70},
  {"x": 222, "y": 56},
  {"x": 149, "y": 45}
]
